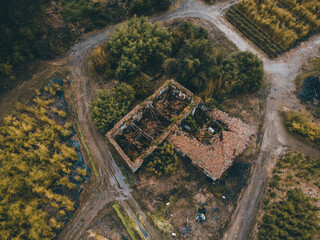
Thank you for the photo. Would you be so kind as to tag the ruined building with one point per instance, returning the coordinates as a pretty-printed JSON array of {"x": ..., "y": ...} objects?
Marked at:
[{"x": 211, "y": 139}]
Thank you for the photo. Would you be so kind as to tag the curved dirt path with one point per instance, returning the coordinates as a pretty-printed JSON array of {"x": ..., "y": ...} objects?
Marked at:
[{"x": 110, "y": 184}]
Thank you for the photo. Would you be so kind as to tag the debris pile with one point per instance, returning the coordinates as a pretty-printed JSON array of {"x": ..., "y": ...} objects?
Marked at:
[
  {"x": 213, "y": 148},
  {"x": 201, "y": 215}
]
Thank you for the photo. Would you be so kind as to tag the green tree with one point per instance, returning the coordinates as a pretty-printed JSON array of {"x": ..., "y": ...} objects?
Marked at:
[
  {"x": 123, "y": 93},
  {"x": 250, "y": 72},
  {"x": 196, "y": 64},
  {"x": 107, "y": 109},
  {"x": 136, "y": 43},
  {"x": 163, "y": 161}
]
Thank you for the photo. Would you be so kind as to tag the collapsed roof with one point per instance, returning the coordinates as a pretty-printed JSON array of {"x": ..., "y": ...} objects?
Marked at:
[{"x": 212, "y": 142}]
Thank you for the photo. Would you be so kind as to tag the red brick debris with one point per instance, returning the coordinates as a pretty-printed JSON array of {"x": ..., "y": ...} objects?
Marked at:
[{"x": 215, "y": 158}]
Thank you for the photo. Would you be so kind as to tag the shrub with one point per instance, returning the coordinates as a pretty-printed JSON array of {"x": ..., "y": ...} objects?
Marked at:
[
  {"x": 163, "y": 161},
  {"x": 99, "y": 60},
  {"x": 143, "y": 87},
  {"x": 107, "y": 109}
]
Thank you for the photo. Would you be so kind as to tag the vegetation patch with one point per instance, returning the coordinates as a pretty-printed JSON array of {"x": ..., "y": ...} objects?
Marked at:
[
  {"x": 107, "y": 109},
  {"x": 163, "y": 161},
  {"x": 39, "y": 172},
  {"x": 303, "y": 124},
  {"x": 276, "y": 26},
  {"x": 185, "y": 52},
  {"x": 127, "y": 221},
  {"x": 88, "y": 152},
  {"x": 288, "y": 213}
]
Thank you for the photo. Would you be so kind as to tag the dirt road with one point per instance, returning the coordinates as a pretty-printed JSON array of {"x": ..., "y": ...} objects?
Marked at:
[{"x": 110, "y": 184}]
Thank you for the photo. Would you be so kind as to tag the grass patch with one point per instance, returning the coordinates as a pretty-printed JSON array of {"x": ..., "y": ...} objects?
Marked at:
[
  {"x": 126, "y": 220},
  {"x": 88, "y": 152},
  {"x": 303, "y": 124}
]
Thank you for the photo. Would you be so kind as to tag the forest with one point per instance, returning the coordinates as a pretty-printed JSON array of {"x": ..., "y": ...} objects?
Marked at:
[
  {"x": 38, "y": 29},
  {"x": 184, "y": 53},
  {"x": 38, "y": 178},
  {"x": 276, "y": 26}
]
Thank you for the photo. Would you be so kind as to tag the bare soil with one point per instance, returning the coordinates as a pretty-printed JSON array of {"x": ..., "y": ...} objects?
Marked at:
[{"x": 186, "y": 191}]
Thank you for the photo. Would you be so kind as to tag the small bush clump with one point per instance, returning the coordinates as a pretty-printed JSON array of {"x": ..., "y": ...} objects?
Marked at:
[
  {"x": 107, "y": 109},
  {"x": 163, "y": 161}
]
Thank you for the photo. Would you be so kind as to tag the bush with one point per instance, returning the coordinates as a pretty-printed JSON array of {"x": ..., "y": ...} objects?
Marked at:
[
  {"x": 107, "y": 109},
  {"x": 274, "y": 183},
  {"x": 143, "y": 87},
  {"x": 100, "y": 61},
  {"x": 163, "y": 161}
]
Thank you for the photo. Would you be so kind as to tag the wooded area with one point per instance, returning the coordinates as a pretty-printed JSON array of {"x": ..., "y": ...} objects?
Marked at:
[
  {"x": 30, "y": 32},
  {"x": 185, "y": 52}
]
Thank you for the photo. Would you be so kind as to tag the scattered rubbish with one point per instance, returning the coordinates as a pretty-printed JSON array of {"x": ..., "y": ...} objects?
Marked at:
[
  {"x": 167, "y": 203},
  {"x": 210, "y": 129},
  {"x": 69, "y": 80},
  {"x": 223, "y": 197},
  {"x": 200, "y": 217},
  {"x": 186, "y": 231},
  {"x": 186, "y": 127},
  {"x": 174, "y": 234},
  {"x": 171, "y": 215}
]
